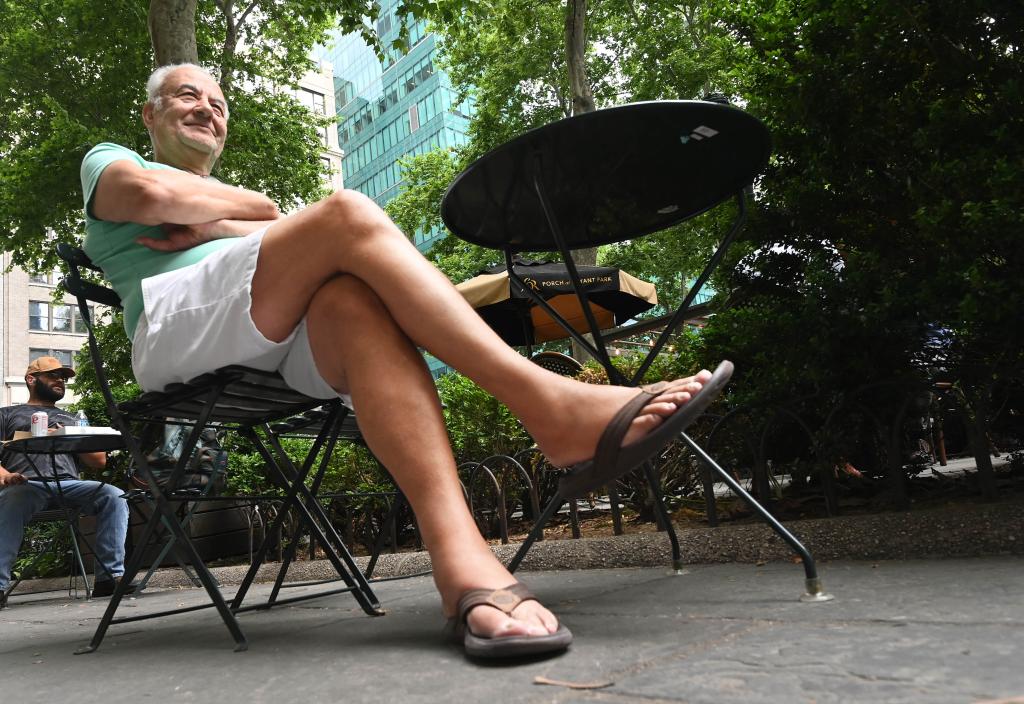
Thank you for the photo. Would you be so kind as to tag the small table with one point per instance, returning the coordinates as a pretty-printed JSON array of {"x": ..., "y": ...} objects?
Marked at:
[
  {"x": 605, "y": 177},
  {"x": 66, "y": 444},
  {"x": 609, "y": 176}
]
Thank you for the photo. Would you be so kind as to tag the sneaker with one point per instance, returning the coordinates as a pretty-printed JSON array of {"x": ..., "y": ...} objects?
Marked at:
[
  {"x": 3, "y": 598},
  {"x": 106, "y": 587}
]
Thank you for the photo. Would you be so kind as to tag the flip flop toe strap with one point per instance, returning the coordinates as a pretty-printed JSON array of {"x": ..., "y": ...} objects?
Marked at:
[
  {"x": 606, "y": 456},
  {"x": 504, "y": 600}
]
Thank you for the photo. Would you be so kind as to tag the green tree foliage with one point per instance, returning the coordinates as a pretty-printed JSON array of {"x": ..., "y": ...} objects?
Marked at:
[
  {"x": 898, "y": 149},
  {"x": 418, "y": 207},
  {"x": 478, "y": 425}
]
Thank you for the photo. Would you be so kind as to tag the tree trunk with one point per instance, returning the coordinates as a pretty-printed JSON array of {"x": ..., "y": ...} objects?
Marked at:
[
  {"x": 977, "y": 411},
  {"x": 576, "y": 56},
  {"x": 582, "y": 101},
  {"x": 172, "y": 31},
  {"x": 896, "y": 476},
  {"x": 579, "y": 84}
]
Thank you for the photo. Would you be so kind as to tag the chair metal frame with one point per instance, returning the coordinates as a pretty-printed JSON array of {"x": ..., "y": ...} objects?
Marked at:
[
  {"x": 239, "y": 398},
  {"x": 70, "y": 518}
]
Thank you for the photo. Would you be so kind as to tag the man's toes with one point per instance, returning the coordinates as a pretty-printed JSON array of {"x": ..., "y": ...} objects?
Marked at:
[
  {"x": 666, "y": 405},
  {"x": 549, "y": 621},
  {"x": 536, "y": 617},
  {"x": 491, "y": 623}
]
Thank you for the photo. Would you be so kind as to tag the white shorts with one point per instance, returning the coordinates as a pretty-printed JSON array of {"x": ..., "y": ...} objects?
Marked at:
[{"x": 197, "y": 319}]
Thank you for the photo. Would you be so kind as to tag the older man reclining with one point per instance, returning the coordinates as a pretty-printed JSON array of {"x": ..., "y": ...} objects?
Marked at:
[{"x": 337, "y": 300}]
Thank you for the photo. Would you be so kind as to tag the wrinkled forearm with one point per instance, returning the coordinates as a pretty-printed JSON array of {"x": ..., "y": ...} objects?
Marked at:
[
  {"x": 240, "y": 228},
  {"x": 126, "y": 193},
  {"x": 189, "y": 200}
]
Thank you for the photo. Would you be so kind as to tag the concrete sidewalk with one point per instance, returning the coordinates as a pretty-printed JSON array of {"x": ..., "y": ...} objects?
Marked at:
[{"x": 898, "y": 631}]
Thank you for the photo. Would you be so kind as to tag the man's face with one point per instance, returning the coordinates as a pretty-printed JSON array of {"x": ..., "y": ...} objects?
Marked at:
[
  {"x": 191, "y": 115},
  {"x": 48, "y": 386}
]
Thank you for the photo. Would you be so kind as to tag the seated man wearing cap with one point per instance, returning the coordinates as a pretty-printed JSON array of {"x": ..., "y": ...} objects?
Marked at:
[{"x": 23, "y": 493}]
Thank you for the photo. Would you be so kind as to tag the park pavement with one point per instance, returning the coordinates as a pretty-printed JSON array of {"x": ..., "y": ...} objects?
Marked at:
[{"x": 928, "y": 630}]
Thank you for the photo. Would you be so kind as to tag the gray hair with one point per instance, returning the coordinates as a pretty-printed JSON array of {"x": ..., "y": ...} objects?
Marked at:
[{"x": 156, "y": 80}]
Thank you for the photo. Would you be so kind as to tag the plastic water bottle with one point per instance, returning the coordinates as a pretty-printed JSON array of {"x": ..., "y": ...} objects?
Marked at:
[{"x": 83, "y": 420}]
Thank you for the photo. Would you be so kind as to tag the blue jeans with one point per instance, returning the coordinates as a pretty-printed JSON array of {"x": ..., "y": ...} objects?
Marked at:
[{"x": 18, "y": 503}]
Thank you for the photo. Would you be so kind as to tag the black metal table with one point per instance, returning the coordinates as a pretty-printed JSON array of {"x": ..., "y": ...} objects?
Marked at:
[
  {"x": 605, "y": 177},
  {"x": 65, "y": 444}
]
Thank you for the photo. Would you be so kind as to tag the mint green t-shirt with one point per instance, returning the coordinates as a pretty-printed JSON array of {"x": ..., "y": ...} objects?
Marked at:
[{"x": 112, "y": 246}]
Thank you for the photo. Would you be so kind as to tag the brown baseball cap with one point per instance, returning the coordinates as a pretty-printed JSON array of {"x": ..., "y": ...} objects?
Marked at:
[{"x": 48, "y": 364}]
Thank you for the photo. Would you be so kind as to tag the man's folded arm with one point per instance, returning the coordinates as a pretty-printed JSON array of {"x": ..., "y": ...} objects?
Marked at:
[{"x": 126, "y": 192}]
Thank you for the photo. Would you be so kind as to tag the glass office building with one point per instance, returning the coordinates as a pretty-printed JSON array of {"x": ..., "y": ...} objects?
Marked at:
[{"x": 401, "y": 106}]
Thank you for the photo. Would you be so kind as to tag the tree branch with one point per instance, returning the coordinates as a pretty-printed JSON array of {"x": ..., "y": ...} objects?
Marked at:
[{"x": 245, "y": 13}]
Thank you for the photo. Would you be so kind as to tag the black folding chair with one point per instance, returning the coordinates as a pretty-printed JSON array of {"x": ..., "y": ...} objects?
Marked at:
[
  {"x": 243, "y": 399},
  {"x": 69, "y": 517}
]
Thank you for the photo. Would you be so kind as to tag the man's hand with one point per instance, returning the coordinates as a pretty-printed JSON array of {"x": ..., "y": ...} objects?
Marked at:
[
  {"x": 179, "y": 237},
  {"x": 11, "y": 478}
]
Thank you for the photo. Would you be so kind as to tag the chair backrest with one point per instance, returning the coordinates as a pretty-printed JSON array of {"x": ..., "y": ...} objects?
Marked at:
[
  {"x": 85, "y": 291},
  {"x": 79, "y": 287},
  {"x": 558, "y": 363}
]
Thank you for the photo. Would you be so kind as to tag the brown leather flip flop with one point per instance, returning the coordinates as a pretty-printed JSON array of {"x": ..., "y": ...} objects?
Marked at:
[
  {"x": 612, "y": 460},
  {"x": 504, "y": 600}
]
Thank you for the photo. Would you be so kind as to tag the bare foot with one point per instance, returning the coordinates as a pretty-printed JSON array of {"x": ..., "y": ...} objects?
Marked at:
[
  {"x": 568, "y": 426},
  {"x": 481, "y": 570}
]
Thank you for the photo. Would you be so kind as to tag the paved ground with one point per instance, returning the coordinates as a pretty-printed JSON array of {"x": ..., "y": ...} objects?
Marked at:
[{"x": 898, "y": 631}]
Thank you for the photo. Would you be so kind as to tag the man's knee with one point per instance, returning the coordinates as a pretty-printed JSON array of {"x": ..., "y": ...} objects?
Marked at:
[
  {"x": 109, "y": 499},
  {"x": 352, "y": 213},
  {"x": 347, "y": 298}
]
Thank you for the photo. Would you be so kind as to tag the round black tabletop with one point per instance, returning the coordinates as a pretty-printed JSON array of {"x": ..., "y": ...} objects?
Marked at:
[
  {"x": 608, "y": 175},
  {"x": 60, "y": 444}
]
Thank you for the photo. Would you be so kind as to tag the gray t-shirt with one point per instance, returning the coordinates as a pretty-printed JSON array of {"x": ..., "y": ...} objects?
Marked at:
[{"x": 13, "y": 418}]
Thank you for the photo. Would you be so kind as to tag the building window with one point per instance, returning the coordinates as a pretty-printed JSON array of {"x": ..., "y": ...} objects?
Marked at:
[
  {"x": 384, "y": 24},
  {"x": 328, "y": 171},
  {"x": 38, "y": 315},
  {"x": 65, "y": 357},
  {"x": 77, "y": 324},
  {"x": 60, "y": 316},
  {"x": 44, "y": 279},
  {"x": 312, "y": 100}
]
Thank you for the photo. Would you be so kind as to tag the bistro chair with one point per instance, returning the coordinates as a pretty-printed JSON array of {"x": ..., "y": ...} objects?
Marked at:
[
  {"x": 558, "y": 363},
  {"x": 69, "y": 517},
  {"x": 242, "y": 399}
]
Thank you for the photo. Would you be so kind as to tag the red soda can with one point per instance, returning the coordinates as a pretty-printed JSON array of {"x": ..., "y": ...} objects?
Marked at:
[{"x": 40, "y": 423}]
